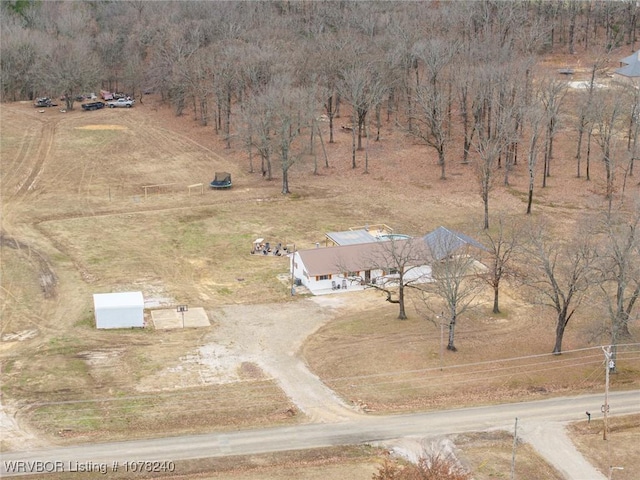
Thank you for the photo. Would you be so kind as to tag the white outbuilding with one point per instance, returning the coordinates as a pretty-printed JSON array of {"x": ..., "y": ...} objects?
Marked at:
[{"x": 119, "y": 310}]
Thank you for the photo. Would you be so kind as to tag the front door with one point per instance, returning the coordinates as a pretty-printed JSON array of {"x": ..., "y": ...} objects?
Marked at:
[{"x": 367, "y": 276}]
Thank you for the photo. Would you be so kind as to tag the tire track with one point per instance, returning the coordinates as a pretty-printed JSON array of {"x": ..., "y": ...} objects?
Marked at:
[{"x": 44, "y": 148}]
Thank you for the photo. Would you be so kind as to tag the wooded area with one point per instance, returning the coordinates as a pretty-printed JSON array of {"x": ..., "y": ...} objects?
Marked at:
[{"x": 459, "y": 77}]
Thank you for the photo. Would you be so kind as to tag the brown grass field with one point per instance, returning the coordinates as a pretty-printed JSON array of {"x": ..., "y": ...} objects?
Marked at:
[{"x": 75, "y": 221}]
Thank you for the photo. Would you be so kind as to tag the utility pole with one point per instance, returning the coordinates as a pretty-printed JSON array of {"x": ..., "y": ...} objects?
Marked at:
[
  {"x": 605, "y": 407},
  {"x": 441, "y": 343},
  {"x": 513, "y": 455},
  {"x": 441, "y": 319},
  {"x": 293, "y": 259}
]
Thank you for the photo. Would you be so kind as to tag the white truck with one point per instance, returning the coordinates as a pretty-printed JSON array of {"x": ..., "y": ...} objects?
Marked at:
[{"x": 121, "y": 102}]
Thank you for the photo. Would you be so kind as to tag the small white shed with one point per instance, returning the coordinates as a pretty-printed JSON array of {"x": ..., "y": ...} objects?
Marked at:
[{"x": 119, "y": 310}]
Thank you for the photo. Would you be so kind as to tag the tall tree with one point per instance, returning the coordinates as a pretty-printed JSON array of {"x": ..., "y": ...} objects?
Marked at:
[
  {"x": 456, "y": 283},
  {"x": 552, "y": 93},
  {"x": 401, "y": 261},
  {"x": 534, "y": 118},
  {"x": 558, "y": 274},
  {"x": 363, "y": 88},
  {"x": 619, "y": 269},
  {"x": 502, "y": 244},
  {"x": 608, "y": 126},
  {"x": 432, "y": 99}
]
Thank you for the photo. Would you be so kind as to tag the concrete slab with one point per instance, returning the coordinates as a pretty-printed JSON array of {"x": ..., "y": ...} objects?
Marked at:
[{"x": 165, "y": 319}]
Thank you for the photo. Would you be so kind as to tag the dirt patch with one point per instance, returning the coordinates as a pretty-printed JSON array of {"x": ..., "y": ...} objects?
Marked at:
[
  {"x": 102, "y": 127},
  {"x": 46, "y": 275}
]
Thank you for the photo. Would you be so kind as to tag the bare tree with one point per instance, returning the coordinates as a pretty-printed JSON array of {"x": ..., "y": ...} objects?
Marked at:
[
  {"x": 435, "y": 466},
  {"x": 558, "y": 274},
  {"x": 70, "y": 67},
  {"x": 432, "y": 99},
  {"x": 257, "y": 119},
  {"x": 586, "y": 113},
  {"x": 363, "y": 88},
  {"x": 534, "y": 117},
  {"x": 551, "y": 93},
  {"x": 456, "y": 283},
  {"x": 402, "y": 262},
  {"x": 619, "y": 270},
  {"x": 608, "y": 126},
  {"x": 502, "y": 245}
]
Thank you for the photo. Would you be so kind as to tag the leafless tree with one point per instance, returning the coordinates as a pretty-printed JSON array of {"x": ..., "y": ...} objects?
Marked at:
[
  {"x": 456, "y": 284},
  {"x": 607, "y": 128},
  {"x": 586, "y": 114},
  {"x": 495, "y": 132},
  {"x": 71, "y": 69},
  {"x": 402, "y": 262},
  {"x": 551, "y": 93},
  {"x": 534, "y": 118},
  {"x": 619, "y": 270},
  {"x": 257, "y": 121},
  {"x": 20, "y": 58},
  {"x": 559, "y": 274},
  {"x": 436, "y": 466},
  {"x": 363, "y": 88},
  {"x": 432, "y": 100},
  {"x": 502, "y": 244}
]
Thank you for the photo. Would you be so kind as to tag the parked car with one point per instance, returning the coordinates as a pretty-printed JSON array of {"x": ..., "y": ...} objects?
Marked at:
[
  {"x": 93, "y": 105},
  {"x": 121, "y": 102},
  {"x": 44, "y": 102}
]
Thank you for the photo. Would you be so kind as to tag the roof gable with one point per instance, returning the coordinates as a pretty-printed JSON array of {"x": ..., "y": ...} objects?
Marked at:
[{"x": 442, "y": 242}]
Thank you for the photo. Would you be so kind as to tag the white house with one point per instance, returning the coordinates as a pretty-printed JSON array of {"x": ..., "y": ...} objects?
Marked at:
[
  {"x": 119, "y": 310},
  {"x": 358, "y": 263},
  {"x": 352, "y": 267}
]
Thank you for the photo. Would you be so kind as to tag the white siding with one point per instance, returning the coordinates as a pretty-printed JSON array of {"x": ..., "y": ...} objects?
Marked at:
[{"x": 119, "y": 310}]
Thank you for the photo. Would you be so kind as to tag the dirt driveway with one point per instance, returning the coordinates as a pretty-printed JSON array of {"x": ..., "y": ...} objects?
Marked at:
[{"x": 267, "y": 336}]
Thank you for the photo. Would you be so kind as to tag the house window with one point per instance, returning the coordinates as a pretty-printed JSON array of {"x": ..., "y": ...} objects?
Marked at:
[
  {"x": 323, "y": 277},
  {"x": 352, "y": 274},
  {"x": 393, "y": 271}
]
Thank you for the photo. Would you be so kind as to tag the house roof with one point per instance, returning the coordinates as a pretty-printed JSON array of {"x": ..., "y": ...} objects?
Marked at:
[
  {"x": 362, "y": 256},
  {"x": 631, "y": 58},
  {"x": 377, "y": 254},
  {"x": 351, "y": 237},
  {"x": 442, "y": 242},
  {"x": 632, "y": 67}
]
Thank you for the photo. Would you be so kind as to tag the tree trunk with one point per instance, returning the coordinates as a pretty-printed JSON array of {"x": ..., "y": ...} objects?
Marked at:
[
  {"x": 496, "y": 308},
  {"x": 485, "y": 201},
  {"x": 441, "y": 162},
  {"x": 557, "y": 349},
  {"x": 452, "y": 326},
  {"x": 353, "y": 144}
]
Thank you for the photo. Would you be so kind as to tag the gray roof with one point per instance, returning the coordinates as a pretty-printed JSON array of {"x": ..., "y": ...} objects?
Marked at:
[
  {"x": 443, "y": 242},
  {"x": 633, "y": 58},
  {"x": 632, "y": 67},
  {"x": 351, "y": 237}
]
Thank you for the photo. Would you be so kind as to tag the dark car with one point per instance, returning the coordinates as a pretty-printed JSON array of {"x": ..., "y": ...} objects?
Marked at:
[
  {"x": 44, "y": 102},
  {"x": 93, "y": 105}
]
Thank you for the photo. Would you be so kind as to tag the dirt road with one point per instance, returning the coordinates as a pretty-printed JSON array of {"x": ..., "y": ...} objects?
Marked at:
[{"x": 366, "y": 430}]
